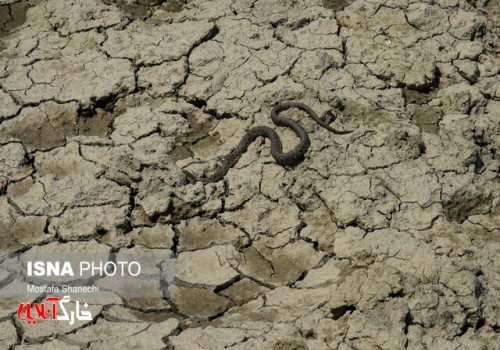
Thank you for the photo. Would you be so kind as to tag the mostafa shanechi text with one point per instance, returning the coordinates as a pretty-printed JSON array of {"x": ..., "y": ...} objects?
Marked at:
[{"x": 64, "y": 288}]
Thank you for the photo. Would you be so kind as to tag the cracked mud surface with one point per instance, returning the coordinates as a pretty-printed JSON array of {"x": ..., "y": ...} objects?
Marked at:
[{"x": 386, "y": 238}]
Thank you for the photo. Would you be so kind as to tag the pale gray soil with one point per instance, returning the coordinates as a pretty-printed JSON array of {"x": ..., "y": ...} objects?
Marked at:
[{"x": 385, "y": 238}]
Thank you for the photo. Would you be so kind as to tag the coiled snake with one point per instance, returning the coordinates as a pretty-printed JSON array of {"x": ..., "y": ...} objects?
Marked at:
[{"x": 289, "y": 158}]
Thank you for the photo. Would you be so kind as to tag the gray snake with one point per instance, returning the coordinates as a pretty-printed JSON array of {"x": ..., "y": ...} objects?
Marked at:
[{"x": 289, "y": 158}]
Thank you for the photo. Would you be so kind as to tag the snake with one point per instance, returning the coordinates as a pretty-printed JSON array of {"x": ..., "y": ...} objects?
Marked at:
[{"x": 289, "y": 158}]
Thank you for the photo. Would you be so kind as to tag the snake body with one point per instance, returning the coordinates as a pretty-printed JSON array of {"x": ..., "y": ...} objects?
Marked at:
[{"x": 289, "y": 158}]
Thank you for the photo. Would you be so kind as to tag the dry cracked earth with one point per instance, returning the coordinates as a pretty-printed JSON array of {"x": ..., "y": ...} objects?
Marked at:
[{"x": 384, "y": 238}]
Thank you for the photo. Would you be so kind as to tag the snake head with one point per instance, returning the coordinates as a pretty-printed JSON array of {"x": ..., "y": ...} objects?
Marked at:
[{"x": 190, "y": 177}]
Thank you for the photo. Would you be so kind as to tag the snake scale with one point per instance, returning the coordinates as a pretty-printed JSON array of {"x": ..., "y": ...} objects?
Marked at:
[{"x": 282, "y": 158}]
